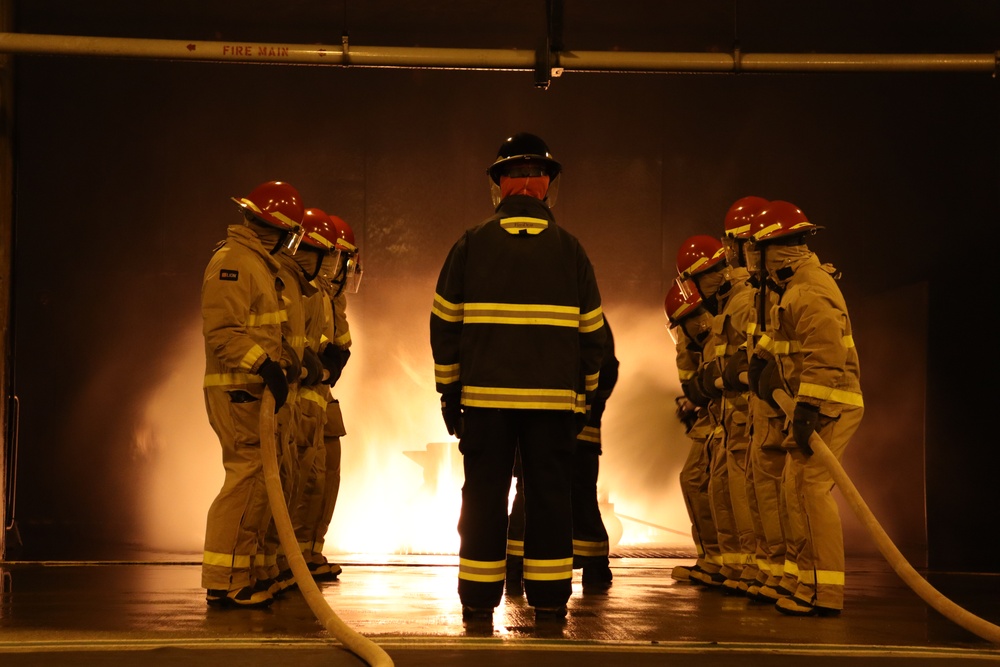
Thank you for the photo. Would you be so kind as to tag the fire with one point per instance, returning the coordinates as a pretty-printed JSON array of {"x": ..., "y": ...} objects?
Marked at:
[{"x": 401, "y": 473}]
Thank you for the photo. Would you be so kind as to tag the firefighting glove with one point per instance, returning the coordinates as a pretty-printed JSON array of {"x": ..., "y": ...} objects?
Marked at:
[
  {"x": 687, "y": 413},
  {"x": 731, "y": 373},
  {"x": 770, "y": 380},
  {"x": 274, "y": 378},
  {"x": 451, "y": 410},
  {"x": 334, "y": 359},
  {"x": 804, "y": 423},
  {"x": 692, "y": 391},
  {"x": 293, "y": 365},
  {"x": 755, "y": 366},
  {"x": 707, "y": 375},
  {"x": 314, "y": 367}
]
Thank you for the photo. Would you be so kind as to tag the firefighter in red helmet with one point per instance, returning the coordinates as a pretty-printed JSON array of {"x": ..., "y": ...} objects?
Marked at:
[
  {"x": 242, "y": 312},
  {"x": 339, "y": 275},
  {"x": 702, "y": 259},
  {"x": 808, "y": 335},
  {"x": 517, "y": 335},
  {"x": 690, "y": 324}
]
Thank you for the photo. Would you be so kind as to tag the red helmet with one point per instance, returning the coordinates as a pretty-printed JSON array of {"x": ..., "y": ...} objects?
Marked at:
[
  {"x": 778, "y": 219},
  {"x": 740, "y": 215},
  {"x": 698, "y": 254},
  {"x": 345, "y": 236},
  {"x": 274, "y": 203},
  {"x": 681, "y": 301},
  {"x": 318, "y": 230}
]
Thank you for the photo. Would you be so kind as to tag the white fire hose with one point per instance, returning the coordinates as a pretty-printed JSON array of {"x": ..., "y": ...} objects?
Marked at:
[
  {"x": 910, "y": 576},
  {"x": 352, "y": 640}
]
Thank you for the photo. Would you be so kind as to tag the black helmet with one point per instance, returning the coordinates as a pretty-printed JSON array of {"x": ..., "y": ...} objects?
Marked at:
[{"x": 521, "y": 148}]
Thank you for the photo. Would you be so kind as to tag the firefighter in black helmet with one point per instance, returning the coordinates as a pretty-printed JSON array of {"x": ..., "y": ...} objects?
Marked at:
[{"x": 517, "y": 335}]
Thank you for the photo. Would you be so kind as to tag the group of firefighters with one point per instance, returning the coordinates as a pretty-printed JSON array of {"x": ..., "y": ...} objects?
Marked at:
[
  {"x": 274, "y": 316},
  {"x": 753, "y": 314},
  {"x": 524, "y": 362}
]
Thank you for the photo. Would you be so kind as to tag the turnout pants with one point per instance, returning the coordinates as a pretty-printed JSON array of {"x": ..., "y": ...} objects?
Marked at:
[
  {"x": 821, "y": 560},
  {"x": 694, "y": 480},
  {"x": 240, "y": 511},
  {"x": 546, "y": 441}
]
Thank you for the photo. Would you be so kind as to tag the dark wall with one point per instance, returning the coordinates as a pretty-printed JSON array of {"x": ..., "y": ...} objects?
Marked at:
[{"x": 124, "y": 170}]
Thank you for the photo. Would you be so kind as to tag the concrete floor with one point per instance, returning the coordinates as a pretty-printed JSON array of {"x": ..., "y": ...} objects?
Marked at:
[{"x": 154, "y": 613}]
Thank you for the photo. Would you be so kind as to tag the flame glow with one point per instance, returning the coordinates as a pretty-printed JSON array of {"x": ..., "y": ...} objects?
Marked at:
[{"x": 401, "y": 473}]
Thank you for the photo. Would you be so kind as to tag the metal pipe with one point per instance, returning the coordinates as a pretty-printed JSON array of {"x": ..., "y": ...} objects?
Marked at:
[{"x": 349, "y": 55}]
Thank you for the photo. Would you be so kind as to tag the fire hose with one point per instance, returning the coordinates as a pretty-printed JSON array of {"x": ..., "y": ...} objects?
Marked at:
[
  {"x": 352, "y": 640},
  {"x": 895, "y": 558}
]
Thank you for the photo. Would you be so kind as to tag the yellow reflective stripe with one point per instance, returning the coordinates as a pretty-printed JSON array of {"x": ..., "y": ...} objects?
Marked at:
[
  {"x": 264, "y": 319},
  {"x": 534, "y": 399},
  {"x": 715, "y": 560},
  {"x": 479, "y": 570},
  {"x": 584, "y": 548},
  {"x": 848, "y": 341},
  {"x": 343, "y": 340},
  {"x": 305, "y": 546},
  {"x": 517, "y": 224},
  {"x": 298, "y": 342},
  {"x": 446, "y": 310},
  {"x": 316, "y": 397},
  {"x": 446, "y": 373},
  {"x": 515, "y": 547},
  {"x": 592, "y": 321},
  {"x": 590, "y": 381},
  {"x": 729, "y": 558},
  {"x": 720, "y": 350},
  {"x": 322, "y": 339},
  {"x": 228, "y": 379},
  {"x": 685, "y": 375},
  {"x": 590, "y": 434},
  {"x": 776, "y": 569},
  {"x": 751, "y": 329},
  {"x": 831, "y": 394},
  {"x": 791, "y": 569},
  {"x": 518, "y": 313},
  {"x": 822, "y": 577},
  {"x": 225, "y": 560},
  {"x": 548, "y": 569},
  {"x": 701, "y": 261},
  {"x": 251, "y": 357}
]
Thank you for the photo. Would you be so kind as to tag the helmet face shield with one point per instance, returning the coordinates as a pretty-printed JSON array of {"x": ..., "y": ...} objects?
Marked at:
[
  {"x": 353, "y": 273},
  {"x": 675, "y": 333},
  {"x": 293, "y": 239},
  {"x": 753, "y": 254},
  {"x": 732, "y": 246},
  {"x": 686, "y": 287},
  {"x": 330, "y": 266}
]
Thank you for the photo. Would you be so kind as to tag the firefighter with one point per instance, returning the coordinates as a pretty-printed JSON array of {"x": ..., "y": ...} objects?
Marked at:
[
  {"x": 317, "y": 254},
  {"x": 340, "y": 274},
  {"x": 591, "y": 546},
  {"x": 690, "y": 324},
  {"x": 517, "y": 335},
  {"x": 766, "y": 458},
  {"x": 241, "y": 309},
  {"x": 808, "y": 335},
  {"x": 300, "y": 423},
  {"x": 702, "y": 259}
]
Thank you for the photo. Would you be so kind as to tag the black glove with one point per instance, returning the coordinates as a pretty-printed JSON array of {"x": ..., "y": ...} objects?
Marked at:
[
  {"x": 770, "y": 379},
  {"x": 755, "y": 366},
  {"x": 334, "y": 359},
  {"x": 451, "y": 410},
  {"x": 314, "y": 367},
  {"x": 686, "y": 412},
  {"x": 692, "y": 391},
  {"x": 293, "y": 372},
  {"x": 731, "y": 373},
  {"x": 804, "y": 423},
  {"x": 707, "y": 375},
  {"x": 274, "y": 378}
]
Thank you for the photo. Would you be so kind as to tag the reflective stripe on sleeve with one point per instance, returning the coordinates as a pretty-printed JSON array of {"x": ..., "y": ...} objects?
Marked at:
[
  {"x": 831, "y": 394},
  {"x": 446, "y": 310},
  {"x": 446, "y": 373}
]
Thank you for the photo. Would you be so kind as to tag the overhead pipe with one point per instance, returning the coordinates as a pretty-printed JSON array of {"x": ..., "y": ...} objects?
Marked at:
[{"x": 349, "y": 55}]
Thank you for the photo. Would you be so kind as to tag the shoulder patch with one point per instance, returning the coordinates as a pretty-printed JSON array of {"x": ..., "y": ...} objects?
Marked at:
[{"x": 229, "y": 274}]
